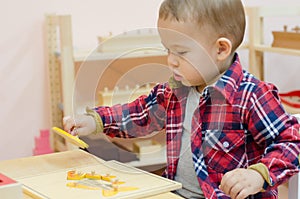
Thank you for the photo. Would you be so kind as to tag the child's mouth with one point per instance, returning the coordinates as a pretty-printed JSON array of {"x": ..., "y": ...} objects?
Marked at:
[{"x": 177, "y": 77}]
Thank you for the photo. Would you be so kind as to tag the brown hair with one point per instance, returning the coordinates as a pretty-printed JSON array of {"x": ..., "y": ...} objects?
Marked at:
[{"x": 226, "y": 18}]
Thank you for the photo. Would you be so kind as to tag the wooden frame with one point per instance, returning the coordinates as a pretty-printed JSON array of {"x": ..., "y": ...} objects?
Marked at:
[{"x": 61, "y": 72}]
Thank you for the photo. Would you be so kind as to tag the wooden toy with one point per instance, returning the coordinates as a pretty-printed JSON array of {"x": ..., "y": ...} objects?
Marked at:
[
  {"x": 10, "y": 188},
  {"x": 42, "y": 143},
  {"x": 93, "y": 176},
  {"x": 107, "y": 189},
  {"x": 73, "y": 175},
  {"x": 115, "y": 190},
  {"x": 146, "y": 148},
  {"x": 92, "y": 181},
  {"x": 70, "y": 138},
  {"x": 107, "y": 177},
  {"x": 135, "y": 183},
  {"x": 81, "y": 186},
  {"x": 287, "y": 39}
]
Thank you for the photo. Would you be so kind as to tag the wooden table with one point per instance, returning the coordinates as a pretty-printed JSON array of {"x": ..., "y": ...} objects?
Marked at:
[{"x": 37, "y": 165}]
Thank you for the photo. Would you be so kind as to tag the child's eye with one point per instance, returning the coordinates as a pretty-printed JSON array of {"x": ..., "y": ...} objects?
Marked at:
[
  {"x": 181, "y": 53},
  {"x": 177, "y": 53}
]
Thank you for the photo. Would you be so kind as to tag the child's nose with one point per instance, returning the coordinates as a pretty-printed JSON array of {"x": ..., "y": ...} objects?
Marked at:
[{"x": 173, "y": 60}]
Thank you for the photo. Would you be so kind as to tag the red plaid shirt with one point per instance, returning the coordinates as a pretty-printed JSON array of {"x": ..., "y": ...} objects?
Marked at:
[{"x": 239, "y": 122}]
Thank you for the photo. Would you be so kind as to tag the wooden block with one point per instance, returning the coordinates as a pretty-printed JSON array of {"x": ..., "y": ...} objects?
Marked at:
[
  {"x": 10, "y": 188},
  {"x": 44, "y": 133},
  {"x": 147, "y": 148},
  {"x": 42, "y": 143},
  {"x": 286, "y": 39}
]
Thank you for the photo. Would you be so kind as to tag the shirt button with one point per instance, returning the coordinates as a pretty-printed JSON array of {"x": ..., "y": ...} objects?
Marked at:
[{"x": 225, "y": 144}]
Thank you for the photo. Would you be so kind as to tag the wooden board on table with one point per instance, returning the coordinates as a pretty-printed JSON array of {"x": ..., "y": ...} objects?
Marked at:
[{"x": 53, "y": 185}]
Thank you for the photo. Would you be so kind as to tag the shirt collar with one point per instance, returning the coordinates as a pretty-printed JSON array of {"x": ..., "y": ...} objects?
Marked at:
[{"x": 227, "y": 84}]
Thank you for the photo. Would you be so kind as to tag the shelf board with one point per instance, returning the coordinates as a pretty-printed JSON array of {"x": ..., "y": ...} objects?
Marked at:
[
  {"x": 92, "y": 55},
  {"x": 271, "y": 11},
  {"x": 286, "y": 51},
  {"x": 81, "y": 56}
]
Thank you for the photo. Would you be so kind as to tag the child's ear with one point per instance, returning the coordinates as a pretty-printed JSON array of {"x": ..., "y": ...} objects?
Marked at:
[{"x": 224, "y": 48}]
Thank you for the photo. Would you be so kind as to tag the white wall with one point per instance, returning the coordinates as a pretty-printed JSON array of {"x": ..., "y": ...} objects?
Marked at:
[{"x": 24, "y": 92}]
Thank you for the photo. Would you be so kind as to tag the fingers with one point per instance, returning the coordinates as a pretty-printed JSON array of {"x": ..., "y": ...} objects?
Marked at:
[
  {"x": 227, "y": 184},
  {"x": 80, "y": 125},
  {"x": 80, "y": 131},
  {"x": 233, "y": 185},
  {"x": 240, "y": 183},
  {"x": 243, "y": 194},
  {"x": 74, "y": 131},
  {"x": 237, "y": 191},
  {"x": 70, "y": 125}
]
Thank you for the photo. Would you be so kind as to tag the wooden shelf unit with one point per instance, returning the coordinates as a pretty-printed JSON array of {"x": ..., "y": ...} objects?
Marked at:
[
  {"x": 256, "y": 45},
  {"x": 64, "y": 63},
  {"x": 61, "y": 71}
]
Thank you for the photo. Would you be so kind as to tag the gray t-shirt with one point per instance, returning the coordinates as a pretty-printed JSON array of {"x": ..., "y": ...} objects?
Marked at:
[{"x": 185, "y": 170}]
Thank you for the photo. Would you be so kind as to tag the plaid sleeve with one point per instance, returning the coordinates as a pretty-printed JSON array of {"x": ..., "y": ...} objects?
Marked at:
[
  {"x": 276, "y": 131},
  {"x": 95, "y": 115},
  {"x": 139, "y": 118}
]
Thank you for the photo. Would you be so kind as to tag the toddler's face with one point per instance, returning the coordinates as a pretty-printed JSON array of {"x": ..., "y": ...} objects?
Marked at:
[{"x": 191, "y": 52}]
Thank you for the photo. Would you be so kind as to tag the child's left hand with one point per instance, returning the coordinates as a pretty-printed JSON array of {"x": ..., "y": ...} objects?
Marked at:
[{"x": 240, "y": 183}]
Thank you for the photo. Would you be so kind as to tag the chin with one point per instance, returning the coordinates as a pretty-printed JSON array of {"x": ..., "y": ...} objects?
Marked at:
[
  {"x": 191, "y": 84},
  {"x": 185, "y": 83}
]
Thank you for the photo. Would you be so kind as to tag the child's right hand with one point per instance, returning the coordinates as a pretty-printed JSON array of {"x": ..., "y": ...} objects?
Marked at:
[{"x": 79, "y": 125}]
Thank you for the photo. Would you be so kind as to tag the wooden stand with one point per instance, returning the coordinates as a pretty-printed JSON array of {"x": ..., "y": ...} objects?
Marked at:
[{"x": 285, "y": 39}]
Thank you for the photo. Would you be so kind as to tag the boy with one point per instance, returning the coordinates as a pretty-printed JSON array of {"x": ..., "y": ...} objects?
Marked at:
[{"x": 227, "y": 133}]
